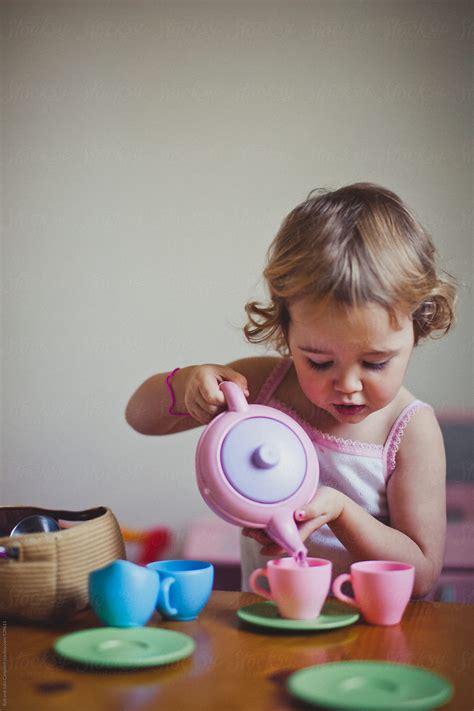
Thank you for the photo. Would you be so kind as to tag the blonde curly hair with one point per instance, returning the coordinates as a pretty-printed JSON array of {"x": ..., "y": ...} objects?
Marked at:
[{"x": 354, "y": 246}]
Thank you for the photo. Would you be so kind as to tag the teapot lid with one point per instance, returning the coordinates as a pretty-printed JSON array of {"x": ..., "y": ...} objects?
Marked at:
[{"x": 263, "y": 459}]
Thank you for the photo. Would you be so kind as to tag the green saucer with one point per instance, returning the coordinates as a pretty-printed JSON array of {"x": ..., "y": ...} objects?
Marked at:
[
  {"x": 129, "y": 647},
  {"x": 370, "y": 686},
  {"x": 265, "y": 614}
]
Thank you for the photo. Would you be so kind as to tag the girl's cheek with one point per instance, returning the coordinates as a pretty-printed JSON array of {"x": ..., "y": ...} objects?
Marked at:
[
  {"x": 386, "y": 392},
  {"x": 313, "y": 388}
]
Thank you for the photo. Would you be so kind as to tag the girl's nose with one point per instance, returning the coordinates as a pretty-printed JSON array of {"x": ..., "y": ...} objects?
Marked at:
[{"x": 348, "y": 382}]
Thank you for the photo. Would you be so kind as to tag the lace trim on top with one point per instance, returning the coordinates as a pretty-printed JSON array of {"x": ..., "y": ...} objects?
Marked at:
[
  {"x": 396, "y": 433},
  {"x": 352, "y": 445}
]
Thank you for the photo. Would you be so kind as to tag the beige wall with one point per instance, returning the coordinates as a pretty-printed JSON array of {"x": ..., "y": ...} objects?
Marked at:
[{"x": 150, "y": 151}]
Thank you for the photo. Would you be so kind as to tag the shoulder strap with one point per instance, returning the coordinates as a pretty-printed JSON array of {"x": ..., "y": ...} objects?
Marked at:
[
  {"x": 395, "y": 435},
  {"x": 273, "y": 381}
]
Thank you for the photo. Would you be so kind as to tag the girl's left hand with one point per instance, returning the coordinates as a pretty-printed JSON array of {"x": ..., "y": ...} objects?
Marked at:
[
  {"x": 326, "y": 506},
  {"x": 269, "y": 547}
]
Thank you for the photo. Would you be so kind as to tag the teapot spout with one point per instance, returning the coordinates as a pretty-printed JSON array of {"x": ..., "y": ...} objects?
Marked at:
[{"x": 283, "y": 530}]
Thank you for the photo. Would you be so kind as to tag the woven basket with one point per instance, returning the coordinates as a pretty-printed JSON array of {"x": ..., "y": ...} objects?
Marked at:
[{"x": 48, "y": 581}]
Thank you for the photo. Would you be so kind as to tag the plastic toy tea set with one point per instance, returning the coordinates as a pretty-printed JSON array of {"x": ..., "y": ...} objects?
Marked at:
[{"x": 255, "y": 466}]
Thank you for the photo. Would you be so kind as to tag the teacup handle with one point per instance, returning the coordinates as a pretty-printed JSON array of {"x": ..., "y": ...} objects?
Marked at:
[
  {"x": 255, "y": 586},
  {"x": 336, "y": 588},
  {"x": 164, "y": 597}
]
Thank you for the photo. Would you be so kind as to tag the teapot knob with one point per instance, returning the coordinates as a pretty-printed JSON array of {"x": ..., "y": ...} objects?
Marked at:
[{"x": 266, "y": 456}]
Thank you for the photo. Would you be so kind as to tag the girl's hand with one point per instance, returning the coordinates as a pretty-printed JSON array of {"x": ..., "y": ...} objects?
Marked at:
[
  {"x": 269, "y": 547},
  {"x": 202, "y": 397},
  {"x": 326, "y": 506}
]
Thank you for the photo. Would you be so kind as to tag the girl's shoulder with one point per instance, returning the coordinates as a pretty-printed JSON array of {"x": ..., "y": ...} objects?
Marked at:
[
  {"x": 406, "y": 404},
  {"x": 403, "y": 413},
  {"x": 415, "y": 436},
  {"x": 257, "y": 371},
  {"x": 418, "y": 422}
]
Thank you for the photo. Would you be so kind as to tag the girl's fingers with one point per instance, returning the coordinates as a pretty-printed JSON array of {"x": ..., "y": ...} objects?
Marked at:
[
  {"x": 235, "y": 377},
  {"x": 203, "y": 398},
  {"x": 271, "y": 549},
  {"x": 312, "y": 525},
  {"x": 210, "y": 394},
  {"x": 199, "y": 414},
  {"x": 210, "y": 408},
  {"x": 258, "y": 535}
]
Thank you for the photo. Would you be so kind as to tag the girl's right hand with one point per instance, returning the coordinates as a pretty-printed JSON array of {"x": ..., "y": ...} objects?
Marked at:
[{"x": 202, "y": 397}]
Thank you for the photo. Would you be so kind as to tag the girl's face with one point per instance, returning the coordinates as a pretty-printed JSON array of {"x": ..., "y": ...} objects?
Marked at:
[{"x": 349, "y": 361}]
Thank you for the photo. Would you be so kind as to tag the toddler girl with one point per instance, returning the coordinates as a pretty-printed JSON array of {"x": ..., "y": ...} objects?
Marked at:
[{"x": 353, "y": 287}]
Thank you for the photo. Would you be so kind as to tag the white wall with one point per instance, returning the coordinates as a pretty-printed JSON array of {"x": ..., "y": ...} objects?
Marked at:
[{"x": 150, "y": 151}]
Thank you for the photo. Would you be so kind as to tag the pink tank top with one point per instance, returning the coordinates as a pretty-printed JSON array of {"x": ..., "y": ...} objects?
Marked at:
[{"x": 360, "y": 470}]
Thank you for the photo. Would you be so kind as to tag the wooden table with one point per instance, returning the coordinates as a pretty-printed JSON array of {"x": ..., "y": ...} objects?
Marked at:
[{"x": 234, "y": 666}]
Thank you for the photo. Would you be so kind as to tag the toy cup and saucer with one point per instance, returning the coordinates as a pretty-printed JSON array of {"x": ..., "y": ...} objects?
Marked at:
[{"x": 124, "y": 597}]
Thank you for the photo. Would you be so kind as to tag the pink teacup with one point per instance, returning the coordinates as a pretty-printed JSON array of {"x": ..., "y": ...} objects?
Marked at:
[
  {"x": 382, "y": 589},
  {"x": 298, "y": 591}
]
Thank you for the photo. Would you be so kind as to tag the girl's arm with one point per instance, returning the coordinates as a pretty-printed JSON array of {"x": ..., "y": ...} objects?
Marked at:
[
  {"x": 147, "y": 409},
  {"x": 416, "y": 496},
  {"x": 195, "y": 387}
]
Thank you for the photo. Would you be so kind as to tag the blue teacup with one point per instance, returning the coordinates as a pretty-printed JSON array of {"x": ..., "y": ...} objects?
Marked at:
[
  {"x": 185, "y": 587},
  {"x": 123, "y": 594}
]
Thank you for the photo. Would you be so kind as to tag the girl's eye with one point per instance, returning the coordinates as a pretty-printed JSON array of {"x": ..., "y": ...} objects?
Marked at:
[
  {"x": 375, "y": 366},
  {"x": 320, "y": 366}
]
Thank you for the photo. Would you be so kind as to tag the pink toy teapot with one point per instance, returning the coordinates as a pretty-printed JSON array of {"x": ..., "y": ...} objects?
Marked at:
[{"x": 255, "y": 465}]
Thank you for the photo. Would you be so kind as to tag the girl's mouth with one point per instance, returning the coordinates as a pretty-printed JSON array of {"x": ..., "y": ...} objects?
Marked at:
[{"x": 349, "y": 409}]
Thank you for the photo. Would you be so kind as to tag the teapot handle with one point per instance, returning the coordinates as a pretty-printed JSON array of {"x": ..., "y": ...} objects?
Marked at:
[{"x": 236, "y": 400}]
